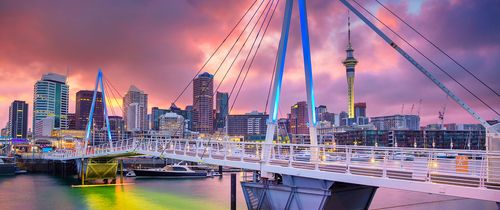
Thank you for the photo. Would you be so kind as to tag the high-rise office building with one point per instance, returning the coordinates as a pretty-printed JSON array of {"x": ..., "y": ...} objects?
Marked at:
[
  {"x": 299, "y": 118},
  {"x": 360, "y": 113},
  {"x": 117, "y": 127},
  {"x": 323, "y": 114},
  {"x": 51, "y": 96},
  {"x": 222, "y": 110},
  {"x": 155, "y": 117},
  {"x": 18, "y": 119},
  {"x": 203, "y": 103},
  {"x": 140, "y": 121},
  {"x": 134, "y": 117},
  {"x": 71, "y": 121},
  {"x": 82, "y": 110},
  {"x": 350, "y": 62},
  {"x": 343, "y": 118}
]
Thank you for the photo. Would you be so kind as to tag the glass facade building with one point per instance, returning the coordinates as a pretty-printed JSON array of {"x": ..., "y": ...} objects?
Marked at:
[{"x": 51, "y": 96}]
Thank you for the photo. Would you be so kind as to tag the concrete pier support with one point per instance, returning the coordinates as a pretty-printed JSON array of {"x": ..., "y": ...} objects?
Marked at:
[{"x": 305, "y": 193}]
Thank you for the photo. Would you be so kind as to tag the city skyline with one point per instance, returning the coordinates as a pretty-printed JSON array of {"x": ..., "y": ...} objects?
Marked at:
[{"x": 165, "y": 66}]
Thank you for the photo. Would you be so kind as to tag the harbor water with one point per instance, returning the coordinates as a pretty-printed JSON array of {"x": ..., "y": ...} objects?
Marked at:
[{"x": 42, "y": 191}]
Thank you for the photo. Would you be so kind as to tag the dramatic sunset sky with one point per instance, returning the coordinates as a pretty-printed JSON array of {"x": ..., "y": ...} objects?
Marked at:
[{"x": 159, "y": 45}]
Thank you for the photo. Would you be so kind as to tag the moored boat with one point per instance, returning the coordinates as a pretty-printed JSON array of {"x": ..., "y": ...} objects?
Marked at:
[{"x": 171, "y": 171}]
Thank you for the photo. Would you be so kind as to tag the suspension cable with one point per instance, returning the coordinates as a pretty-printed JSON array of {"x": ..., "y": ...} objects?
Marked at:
[
  {"x": 245, "y": 42},
  {"x": 249, "y": 35},
  {"x": 435, "y": 64},
  {"x": 216, "y": 50},
  {"x": 225, "y": 57},
  {"x": 251, "y": 62},
  {"x": 250, "y": 51},
  {"x": 438, "y": 48},
  {"x": 114, "y": 96}
]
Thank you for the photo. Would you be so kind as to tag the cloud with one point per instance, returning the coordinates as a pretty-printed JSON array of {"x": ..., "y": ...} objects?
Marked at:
[{"x": 159, "y": 45}]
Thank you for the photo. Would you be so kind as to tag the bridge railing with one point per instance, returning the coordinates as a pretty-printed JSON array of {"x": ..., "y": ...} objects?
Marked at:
[{"x": 459, "y": 167}]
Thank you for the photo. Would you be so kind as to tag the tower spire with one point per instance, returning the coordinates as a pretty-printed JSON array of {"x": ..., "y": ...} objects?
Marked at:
[{"x": 349, "y": 30}]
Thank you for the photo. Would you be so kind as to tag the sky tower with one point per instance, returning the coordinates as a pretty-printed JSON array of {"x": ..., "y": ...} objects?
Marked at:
[{"x": 349, "y": 63}]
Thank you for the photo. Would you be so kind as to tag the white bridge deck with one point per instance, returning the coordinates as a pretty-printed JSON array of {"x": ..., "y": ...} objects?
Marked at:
[{"x": 463, "y": 173}]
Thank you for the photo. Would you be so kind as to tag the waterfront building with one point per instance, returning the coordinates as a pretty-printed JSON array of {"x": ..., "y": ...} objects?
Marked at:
[
  {"x": 177, "y": 110},
  {"x": 463, "y": 127},
  {"x": 222, "y": 110},
  {"x": 396, "y": 122},
  {"x": 189, "y": 117},
  {"x": 343, "y": 118},
  {"x": 323, "y": 114},
  {"x": 360, "y": 114},
  {"x": 72, "y": 121},
  {"x": 155, "y": 117},
  {"x": 117, "y": 127},
  {"x": 44, "y": 127},
  {"x": 140, "y": 108},
  {"x": 299, "y": 118},
  {"x": 82, "y": 110},
  {"x": 440, "y": 139},
  {"x": 250, "y": 125},
  {"x": 134, "y": 117},
  {"x": 173, "y": 124},
  {"x": 18, "y": 119},
  {"x": 51, "y": 95},
  {"x": 203, "y": 103}
]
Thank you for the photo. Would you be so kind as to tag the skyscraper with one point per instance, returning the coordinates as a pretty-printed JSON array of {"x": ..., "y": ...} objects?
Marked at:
[
  {"x": 71, "y": 121},
  {"x": 222, "y": 109},
  {"x": 203, "y": 103},
  {"x": 350, "y": 62},
  {"x": 82, "y": 110},
  {"x": 135, "y": 95},
  {"x": 18, "y": 119},
  {"x": 360, "y": 113},
  {"x": 155, "y": 117},
  {"x": 133, "y": 122},
  {"x": 299, "y": 118},
  {"x": 50, "y": 99}
]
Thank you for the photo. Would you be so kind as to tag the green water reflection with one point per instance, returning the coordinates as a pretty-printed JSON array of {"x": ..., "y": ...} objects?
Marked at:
[{"x": 47, "y": 192}]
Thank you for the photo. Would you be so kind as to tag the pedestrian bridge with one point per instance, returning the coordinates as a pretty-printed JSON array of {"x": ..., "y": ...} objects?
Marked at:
[{"x": 463, "y": 173}]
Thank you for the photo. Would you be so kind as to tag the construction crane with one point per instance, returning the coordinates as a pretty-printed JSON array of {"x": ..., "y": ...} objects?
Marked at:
[
  {"x": 441, "y": 116},
  {"x": 419, "y": 105}
]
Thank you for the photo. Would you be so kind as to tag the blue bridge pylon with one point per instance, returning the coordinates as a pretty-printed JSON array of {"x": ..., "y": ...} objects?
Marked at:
[{"x": 98, "y": 82}]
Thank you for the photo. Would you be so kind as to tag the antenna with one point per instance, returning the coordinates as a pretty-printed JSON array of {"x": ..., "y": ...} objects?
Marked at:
[{"x": 349, "y": 28}]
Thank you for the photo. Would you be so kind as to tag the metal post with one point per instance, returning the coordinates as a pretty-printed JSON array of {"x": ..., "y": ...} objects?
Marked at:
[
  {"x": 121, "y": 171},
  {"x": 233, "y": 191},
  {"x": 83, "y": 172}
]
